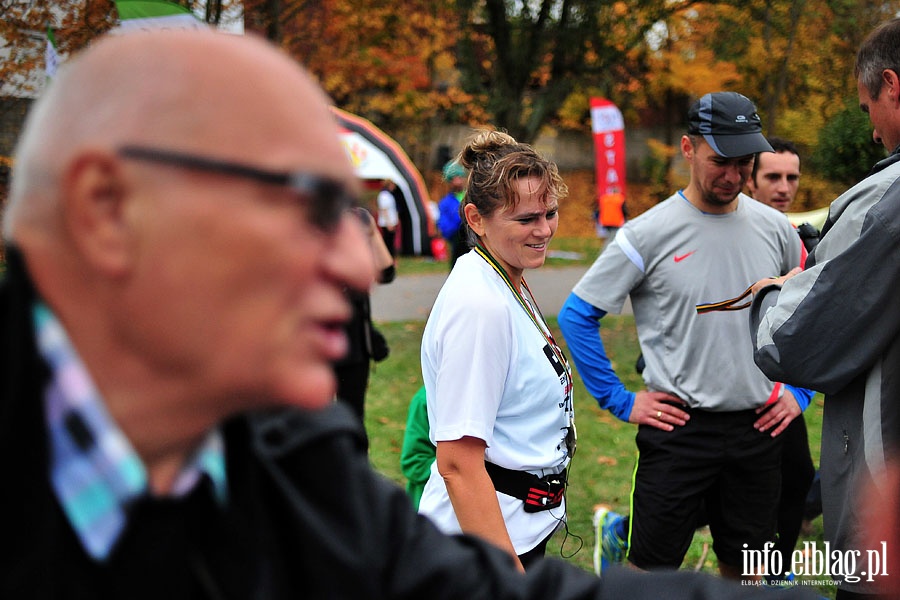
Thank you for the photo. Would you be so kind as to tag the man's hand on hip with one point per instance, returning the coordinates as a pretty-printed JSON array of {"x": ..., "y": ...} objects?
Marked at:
[{"x": 654, "y": 408}]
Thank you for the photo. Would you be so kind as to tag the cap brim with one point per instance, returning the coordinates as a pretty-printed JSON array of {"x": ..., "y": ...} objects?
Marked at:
[{"x": 733, "y": 146}]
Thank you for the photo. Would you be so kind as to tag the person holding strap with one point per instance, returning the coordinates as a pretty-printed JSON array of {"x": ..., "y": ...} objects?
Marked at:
[
  {"x": 835, "y": 327},
  {"x": 499, "y": 389}
]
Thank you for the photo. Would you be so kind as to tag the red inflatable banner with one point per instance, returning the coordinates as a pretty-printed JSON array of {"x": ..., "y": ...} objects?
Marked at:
[{"x": 609, "y": 149}]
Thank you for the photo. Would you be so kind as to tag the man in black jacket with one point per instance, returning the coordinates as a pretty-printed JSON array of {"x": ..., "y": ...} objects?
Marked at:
[{"x": 178, "y": 245}]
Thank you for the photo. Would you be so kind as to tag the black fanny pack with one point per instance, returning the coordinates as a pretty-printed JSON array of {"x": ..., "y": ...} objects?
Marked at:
[{"x": 538, "y": 493}]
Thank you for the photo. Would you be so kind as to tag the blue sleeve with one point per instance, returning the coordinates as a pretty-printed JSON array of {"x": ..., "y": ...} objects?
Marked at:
[
  {"x": 579, "y": 322},
  {"x": 803, "y": 395}
]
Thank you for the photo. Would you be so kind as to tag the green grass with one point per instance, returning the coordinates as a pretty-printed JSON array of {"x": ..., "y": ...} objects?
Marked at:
[
  {"x": 602, "y": 467},
  {"x": 588, "y": 248}
]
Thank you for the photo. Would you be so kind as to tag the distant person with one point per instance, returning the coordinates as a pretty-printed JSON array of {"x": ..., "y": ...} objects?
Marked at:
[
  {"x": 709, "y": 420},
  {"x": 499, "y": 390},
  {"x": 776, "y": 175},
  {"x": 774, "y": 182},
  {"x": 835, "y": 327},
  {"x": 388, "y": 218},
  {"x": 367, "y": 344},
  {"x": 612, "y": 213},
  {"x": 450, "y": 223}
]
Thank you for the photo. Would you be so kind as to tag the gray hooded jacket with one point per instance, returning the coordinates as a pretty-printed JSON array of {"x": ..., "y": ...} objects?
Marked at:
[{"x": 835, "y": 328}]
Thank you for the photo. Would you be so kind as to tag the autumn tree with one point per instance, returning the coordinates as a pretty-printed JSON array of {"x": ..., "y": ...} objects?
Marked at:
[
  {"x": 794, "y": 58},
  {"x": 677, "y": 66},
  {"x": 23, "y": 39},
  {"x": 529, "y": 58},
  {"x": 524, "y": 64},
  {"x": 24, "y": 26},
  {"x": 511, "y": 64},
  {"x": 389, "y": 62},
  {"x": 23, "y": 35}
]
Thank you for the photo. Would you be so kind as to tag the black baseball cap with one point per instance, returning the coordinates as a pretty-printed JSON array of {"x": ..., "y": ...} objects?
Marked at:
[{"x": 729, "y": 124}]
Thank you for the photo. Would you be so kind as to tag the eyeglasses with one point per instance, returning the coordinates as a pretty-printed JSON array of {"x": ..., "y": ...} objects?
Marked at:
[{"x": 328, "y": 198}]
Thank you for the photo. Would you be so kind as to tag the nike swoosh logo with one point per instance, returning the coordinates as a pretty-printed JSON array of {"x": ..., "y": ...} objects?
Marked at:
[{"x": 683, "y": 256}]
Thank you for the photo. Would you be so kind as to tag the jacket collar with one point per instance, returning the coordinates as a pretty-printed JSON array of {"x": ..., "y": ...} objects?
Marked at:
[{"x": 886, "y": 162}]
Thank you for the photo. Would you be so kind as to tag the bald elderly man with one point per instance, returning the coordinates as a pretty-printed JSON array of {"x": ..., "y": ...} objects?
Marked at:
[{"x": 178, "y": 246}]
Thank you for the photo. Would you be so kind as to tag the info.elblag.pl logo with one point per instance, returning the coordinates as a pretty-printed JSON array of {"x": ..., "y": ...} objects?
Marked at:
[{"x": 811, "y": 561}]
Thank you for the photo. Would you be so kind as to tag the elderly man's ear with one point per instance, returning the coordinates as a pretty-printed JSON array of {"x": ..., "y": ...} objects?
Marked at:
[{"x": 95, "y": 202}]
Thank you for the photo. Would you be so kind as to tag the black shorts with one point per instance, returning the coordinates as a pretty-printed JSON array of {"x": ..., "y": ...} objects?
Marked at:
[{"x": 717, "y": 458}]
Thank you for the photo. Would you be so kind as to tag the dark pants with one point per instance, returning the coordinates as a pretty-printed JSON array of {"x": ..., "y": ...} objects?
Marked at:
[
  {"x": 459, "y": 245},
  {"x": 389, "y": 237},
  {"x": 717, "y": 460},
  {"x": 352, "y": 381}
]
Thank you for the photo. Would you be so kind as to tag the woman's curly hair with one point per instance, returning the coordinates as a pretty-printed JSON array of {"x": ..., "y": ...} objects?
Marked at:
[{"x": 495, "y": 160}]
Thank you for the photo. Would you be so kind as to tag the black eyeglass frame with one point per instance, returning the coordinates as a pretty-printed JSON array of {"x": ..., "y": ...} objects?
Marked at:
[{"x": 330, "y": 199}]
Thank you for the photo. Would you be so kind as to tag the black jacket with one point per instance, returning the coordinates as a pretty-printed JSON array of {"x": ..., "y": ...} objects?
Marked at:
[{"x": 307, "y": 517}]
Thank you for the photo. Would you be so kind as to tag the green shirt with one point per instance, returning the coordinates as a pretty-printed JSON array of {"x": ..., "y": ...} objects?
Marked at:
[{"x": 417, "y": 453}]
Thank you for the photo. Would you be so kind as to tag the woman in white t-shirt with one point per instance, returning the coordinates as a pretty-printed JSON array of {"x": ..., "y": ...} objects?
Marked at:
[{"x": 499, "y": 390}]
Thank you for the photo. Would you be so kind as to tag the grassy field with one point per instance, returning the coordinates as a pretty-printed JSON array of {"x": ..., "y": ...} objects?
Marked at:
[{"x": 602, "y": 467}]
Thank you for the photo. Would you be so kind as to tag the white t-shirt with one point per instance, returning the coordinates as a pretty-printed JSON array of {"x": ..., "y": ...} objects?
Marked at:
[
  {"x": 488, "y": 375},
  {"x": 387, "y": 209}
]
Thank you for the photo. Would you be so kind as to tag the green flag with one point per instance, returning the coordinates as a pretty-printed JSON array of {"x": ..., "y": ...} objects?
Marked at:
[{"x": 135, "y": 15}]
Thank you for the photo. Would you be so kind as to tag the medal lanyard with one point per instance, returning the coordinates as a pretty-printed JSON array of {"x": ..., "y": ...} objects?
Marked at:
[
  {"x": 730, "y": 304},
  {"x": 545, "y": 330}
]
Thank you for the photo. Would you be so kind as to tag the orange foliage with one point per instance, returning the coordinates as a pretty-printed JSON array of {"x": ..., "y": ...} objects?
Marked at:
[
  {"x": 387, "y": 61},
  {"x": 23, "y": 28},
  {"x": 390, "y": 62}
]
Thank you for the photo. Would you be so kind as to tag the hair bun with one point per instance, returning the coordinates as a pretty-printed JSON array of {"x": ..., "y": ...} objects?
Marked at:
[{"x": 485, "y": 145}]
